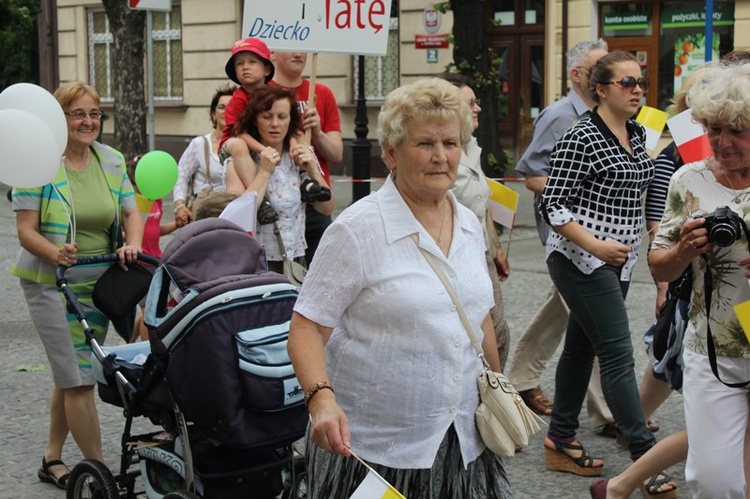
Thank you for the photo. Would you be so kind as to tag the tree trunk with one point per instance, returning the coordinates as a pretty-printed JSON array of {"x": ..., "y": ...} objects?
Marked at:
[
  {"x": 472, "y": 57},
  {"x": 128, "y": 30}
]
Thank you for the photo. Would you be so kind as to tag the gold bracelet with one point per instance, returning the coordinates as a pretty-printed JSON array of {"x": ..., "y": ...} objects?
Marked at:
[{"x": 320, "y": 385}]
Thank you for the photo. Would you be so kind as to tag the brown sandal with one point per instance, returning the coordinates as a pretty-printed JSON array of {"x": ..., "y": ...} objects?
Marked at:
[
  {"x": 559, "y": 460},
  {"x": 537, "y": 401}
]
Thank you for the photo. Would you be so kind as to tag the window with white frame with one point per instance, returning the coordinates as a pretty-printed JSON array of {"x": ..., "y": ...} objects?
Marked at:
[
  {"x": 381, "y": 72},
  {"x": 167, "y": 40}
]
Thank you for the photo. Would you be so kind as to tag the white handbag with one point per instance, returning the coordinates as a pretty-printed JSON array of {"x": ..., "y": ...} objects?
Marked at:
[{"x": 502, "y": 418}]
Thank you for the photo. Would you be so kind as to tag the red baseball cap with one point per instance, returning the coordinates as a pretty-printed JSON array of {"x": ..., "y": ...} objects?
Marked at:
[{"x": 257, "y": 47}]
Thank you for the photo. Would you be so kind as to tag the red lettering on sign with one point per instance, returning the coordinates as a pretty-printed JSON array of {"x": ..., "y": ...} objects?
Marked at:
[{"x": 355, "y": 14}]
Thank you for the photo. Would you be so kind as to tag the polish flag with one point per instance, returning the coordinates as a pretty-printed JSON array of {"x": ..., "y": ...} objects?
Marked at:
[
  {"x": 653, "y": 120},
  {"x": 690, "y": 137}
]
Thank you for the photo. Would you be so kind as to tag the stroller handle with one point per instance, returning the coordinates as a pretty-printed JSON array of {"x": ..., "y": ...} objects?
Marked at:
[{"x": 91, "y": 260}]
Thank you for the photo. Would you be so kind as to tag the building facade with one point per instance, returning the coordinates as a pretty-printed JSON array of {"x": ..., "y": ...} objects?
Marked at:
[{"x": 528, "y": 37}]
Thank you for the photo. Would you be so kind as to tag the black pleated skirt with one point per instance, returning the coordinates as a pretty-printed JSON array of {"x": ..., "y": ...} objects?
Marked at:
[{"x": 332, "y": 476}]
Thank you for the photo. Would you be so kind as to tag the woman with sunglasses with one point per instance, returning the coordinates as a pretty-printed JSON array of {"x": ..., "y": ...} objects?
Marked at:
[
  {"x": 82, "y": 212},
  {"x": 599, "y": 171}
]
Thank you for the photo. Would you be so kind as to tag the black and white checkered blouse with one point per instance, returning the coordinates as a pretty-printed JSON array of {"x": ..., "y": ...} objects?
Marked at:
[{"x": 593, "y": 180}]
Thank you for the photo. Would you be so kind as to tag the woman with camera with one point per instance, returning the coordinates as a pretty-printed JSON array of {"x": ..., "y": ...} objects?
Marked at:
[{"x": 703, "y": 226}]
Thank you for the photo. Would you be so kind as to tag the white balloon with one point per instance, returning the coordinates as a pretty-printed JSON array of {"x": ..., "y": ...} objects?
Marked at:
[
  {"x": 42, "y": 104},
  {"x": 29, "y": 152}
]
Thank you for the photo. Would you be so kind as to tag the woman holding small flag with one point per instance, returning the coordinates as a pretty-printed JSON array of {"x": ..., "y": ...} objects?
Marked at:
[
  {"x": 377, "y": 344},
  {"x": 592, "y": 200},
  {"x": 703, "y": 196}
]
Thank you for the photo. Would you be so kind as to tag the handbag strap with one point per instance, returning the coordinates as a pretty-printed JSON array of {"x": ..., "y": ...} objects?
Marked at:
[
  {"x": 456, "y": 302},
  {"x": 207, "y": 147},
  {"x": 280, "y": 241}
]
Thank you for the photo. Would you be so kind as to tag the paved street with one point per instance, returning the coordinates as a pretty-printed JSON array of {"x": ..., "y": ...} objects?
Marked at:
[{"x": 25, "y": 379}]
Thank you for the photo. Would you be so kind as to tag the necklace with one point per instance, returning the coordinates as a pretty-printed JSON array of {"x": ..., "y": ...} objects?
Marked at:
[
  {"x": 440, "y": 231},
  {"x": 737, "y": 194}
]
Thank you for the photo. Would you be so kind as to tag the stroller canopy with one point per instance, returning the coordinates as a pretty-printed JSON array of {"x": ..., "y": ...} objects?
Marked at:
[{"x": 209, "y": 249}]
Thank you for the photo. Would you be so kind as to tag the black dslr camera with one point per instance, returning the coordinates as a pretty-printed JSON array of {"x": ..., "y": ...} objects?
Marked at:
[{"x": 724, "y": 226}]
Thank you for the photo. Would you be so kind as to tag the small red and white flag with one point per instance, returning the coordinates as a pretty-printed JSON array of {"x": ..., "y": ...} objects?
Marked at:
[
  {"x": 690, "y": 137},
  {"x": 653, "y": 120}
]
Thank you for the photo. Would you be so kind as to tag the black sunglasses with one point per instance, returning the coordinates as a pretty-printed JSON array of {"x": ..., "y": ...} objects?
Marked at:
[{"x": 630, "y": 82}]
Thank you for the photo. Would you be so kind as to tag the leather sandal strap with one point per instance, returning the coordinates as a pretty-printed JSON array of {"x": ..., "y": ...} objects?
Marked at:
[
  {"x": 585, "y": 460},
  {"x": 46, "y": 465}
]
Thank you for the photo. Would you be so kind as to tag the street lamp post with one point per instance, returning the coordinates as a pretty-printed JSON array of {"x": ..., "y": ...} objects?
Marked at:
[{"x": 361, "y": 146}]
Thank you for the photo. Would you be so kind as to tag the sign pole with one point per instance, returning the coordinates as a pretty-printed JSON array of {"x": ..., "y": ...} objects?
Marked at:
[
  {"x": 150, "y": 77},
  {"x": 311, "y": 93},
  {"x": 709, "y": 30}
]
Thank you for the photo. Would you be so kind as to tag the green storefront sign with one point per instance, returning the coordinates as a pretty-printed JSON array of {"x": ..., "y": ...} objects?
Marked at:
[
  {"x": 626, "y": 20},
  {"x": 696, "y": 17}
]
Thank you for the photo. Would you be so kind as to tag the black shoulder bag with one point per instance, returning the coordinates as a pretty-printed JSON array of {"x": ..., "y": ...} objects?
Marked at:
[{"x": 679, "y": 289}]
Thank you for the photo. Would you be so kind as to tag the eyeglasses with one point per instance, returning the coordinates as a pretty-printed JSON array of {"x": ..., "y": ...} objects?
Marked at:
[
  {"x": 475, "y": 102},
  {"x": 630, "y": 82},
  {"x": 80, "y": 115}
]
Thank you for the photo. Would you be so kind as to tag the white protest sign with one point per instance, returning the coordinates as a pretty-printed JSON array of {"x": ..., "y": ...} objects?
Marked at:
[{"x": 337, "y": 26}]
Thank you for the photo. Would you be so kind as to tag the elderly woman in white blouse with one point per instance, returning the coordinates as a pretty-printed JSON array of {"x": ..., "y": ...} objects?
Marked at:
[
  {"x": 388, "y": 370},
  {"x": 199, "y": 170}
]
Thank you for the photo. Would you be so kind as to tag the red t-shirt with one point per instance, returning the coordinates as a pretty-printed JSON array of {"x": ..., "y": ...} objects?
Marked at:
[
  {"x": 328, "y": 110},
  {"x": 152, "y": 231},
  {"x": 232, "y": 113}
]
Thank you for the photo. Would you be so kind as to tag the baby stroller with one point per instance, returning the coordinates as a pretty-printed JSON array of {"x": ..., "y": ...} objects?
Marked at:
[{"x": 216, "y": 378}]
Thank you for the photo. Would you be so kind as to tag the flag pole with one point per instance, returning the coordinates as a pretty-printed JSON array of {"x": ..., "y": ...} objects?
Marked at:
[{"x": 510, "y": 238}]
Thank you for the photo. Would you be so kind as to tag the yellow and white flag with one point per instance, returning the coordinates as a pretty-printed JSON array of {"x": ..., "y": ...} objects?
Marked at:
[
  {"x": 503, "y": 203},
  {"x": 743, "y": 314},
  {"x": 375, "y": 487},
  {"x": 653, "y": 121}
]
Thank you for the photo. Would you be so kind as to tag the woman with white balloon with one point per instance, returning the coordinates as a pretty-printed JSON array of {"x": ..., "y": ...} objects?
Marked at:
[{"x": 79, "y": 213}]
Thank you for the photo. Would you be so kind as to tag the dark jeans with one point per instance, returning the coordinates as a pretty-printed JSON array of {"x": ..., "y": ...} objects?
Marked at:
[
  {"x": 598, "y": 325},
  {"x": 315, "y": 225}
]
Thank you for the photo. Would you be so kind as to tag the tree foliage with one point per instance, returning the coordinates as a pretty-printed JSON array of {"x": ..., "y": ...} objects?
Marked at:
[
  {"x": 18, "y": 42},
  {"x": 473, "y": 57},
  {"x": 128, "y": 30}
]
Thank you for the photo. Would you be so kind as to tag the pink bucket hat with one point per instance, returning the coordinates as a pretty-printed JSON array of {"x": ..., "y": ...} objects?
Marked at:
[{"x": 257, "y": 47}]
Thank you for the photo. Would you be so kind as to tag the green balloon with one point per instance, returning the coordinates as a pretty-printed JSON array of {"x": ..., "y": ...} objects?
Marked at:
[{"x": 156, "y": 174}]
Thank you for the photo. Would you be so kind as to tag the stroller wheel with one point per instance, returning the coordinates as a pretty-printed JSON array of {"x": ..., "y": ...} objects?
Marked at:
[
  {"x": 300, "y": 486},
  {"x": 91, "y": 479},
  {"x": 181, "y": 494}
]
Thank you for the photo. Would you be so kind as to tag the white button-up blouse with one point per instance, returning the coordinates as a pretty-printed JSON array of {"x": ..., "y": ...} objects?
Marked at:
[{"x": 399, "y": 359}]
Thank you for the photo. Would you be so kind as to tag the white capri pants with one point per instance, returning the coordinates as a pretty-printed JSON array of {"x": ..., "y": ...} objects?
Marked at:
[{"x": 716, "y": 418}]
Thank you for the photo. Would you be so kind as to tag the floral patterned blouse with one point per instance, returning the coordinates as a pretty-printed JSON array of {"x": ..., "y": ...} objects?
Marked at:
[
  {"x": 284, "y": 194},
  {"x": 694, "y": 191}
]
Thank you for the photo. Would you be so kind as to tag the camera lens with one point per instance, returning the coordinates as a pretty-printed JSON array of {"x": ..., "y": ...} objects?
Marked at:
[{"x": 723, "y": 235}]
